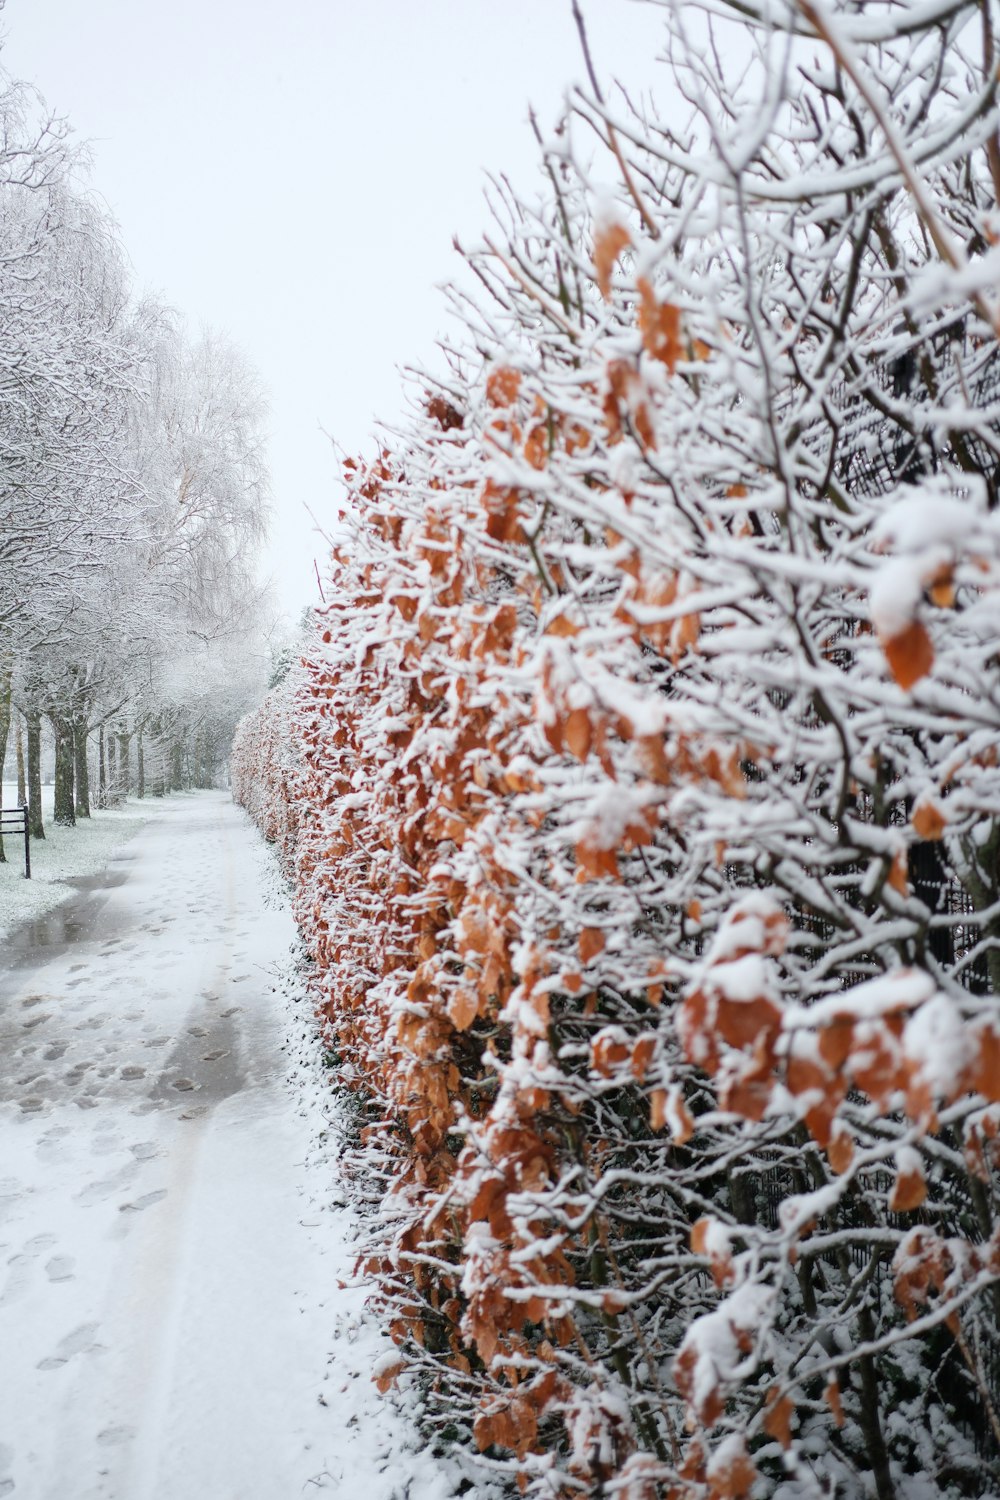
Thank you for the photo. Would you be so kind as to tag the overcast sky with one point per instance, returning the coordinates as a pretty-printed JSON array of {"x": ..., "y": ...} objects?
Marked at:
[{"x": 294, "y": 174}]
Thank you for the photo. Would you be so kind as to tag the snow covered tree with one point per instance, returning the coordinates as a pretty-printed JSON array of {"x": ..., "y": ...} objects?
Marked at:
[{"x": 133, "y": 495}]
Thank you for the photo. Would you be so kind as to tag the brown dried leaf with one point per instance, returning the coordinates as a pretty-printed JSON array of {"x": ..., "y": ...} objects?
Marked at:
[
  {"x": 778, "y": 1417},
  {"x": 928, "y": 820},
  {"x": 910, "y": 655},
  {"x": 909, "y": 1191},
  {"x": 609, "y": 242}
]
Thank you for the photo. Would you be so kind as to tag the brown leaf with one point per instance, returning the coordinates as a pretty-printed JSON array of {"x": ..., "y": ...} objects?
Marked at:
[
  {"x": 389, "y": 1375},
  {"x": 898, "y": 874},
  {"x": 609, "y": 242},
  {"x": 590, "y": 943},
  {"x": 832, "y": 1394},
  {"x": 910, "y": 655},
  {"x": 463, "y": 1008},
  {"x": 778, "y": 1417},
  {"x": 909, "y": 1191},
  {"x": 578, "y": 733},
  {"x": 660, "y": 326},
  {"x": 502, "y": 386},
  {"x": 731, "y": 1477},
  {"x": 840, "y": 1151},
  {"x": 928, "y": 820}
]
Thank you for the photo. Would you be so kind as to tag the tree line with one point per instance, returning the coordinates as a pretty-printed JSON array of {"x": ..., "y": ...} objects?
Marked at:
[{"x": 133, "y": 496}]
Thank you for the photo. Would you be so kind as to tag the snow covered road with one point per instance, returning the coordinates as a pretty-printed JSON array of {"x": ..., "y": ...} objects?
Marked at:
[{"x": 171, "y": 1324}]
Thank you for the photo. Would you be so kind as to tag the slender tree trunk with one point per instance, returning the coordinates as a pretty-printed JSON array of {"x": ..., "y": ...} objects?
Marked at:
[
  {"x": 124, "y": 769},
  {"x": 5, "y": 676},
  {"x": 177, "y": 767},
  {"x": 22, "y": 786},
  {"x": 102, "y": 771},
  {"x": 33, "y": 725},
  {"x": 112, "y": 770},
  {"x": 82, "y": 770},
  {"x": 140, "y": 764},
  {"x": 63, "y": 811}
]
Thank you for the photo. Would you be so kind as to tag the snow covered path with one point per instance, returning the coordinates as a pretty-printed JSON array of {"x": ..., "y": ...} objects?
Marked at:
[{"x": 170, "y": 1319}]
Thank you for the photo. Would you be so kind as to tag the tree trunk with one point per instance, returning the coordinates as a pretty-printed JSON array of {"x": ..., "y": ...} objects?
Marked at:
[
  {"x": 140, "y": 765},
  {"x": 112, "y": 770},
  {"x": 33, "y": 724},
  {"x": 4, "y": 732},
  {"x": 22, "y": 786},
  {"x": 102, "y": 771},
  {"x": 63, "y": 810},
  {"x": 82, "y": 802},
  {"x": 124, "y": 768},
  {"x": 177, "y": 767}
]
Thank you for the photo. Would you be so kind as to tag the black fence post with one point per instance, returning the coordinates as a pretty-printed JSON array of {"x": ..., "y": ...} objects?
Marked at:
[{"x": 27, "y": 843}]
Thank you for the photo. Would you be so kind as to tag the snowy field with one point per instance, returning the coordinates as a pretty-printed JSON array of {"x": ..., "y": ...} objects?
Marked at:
[
  {"x": 65, "y": 854},
  {"x": 178, "y": 1313}
]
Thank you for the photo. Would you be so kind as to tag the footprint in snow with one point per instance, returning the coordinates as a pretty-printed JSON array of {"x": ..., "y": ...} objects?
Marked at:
[
  {"x": 146, "y": 1201},
  {"x": 96, "y": 1192},
  {"x": 19, "y": 1272},
  {"x": 197, "y": 1031},
  {"x": 145, "y": 1150},
  {"x": 60, "y": 1268},
  {"x": 32, "y": 1104},
  {"x": 80, "y": 1341},
  {"x": 111, "y": 1436},
  {"x": 185, "y": 1085}
]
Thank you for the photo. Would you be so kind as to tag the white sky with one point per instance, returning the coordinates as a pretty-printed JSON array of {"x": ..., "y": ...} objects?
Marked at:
[{"x": 294, "y": 174}]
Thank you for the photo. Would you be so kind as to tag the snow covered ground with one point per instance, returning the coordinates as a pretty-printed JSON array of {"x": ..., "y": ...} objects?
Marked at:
[
  {"x": 174, "y": 1319},
  {"x": 65, "y": 854}
]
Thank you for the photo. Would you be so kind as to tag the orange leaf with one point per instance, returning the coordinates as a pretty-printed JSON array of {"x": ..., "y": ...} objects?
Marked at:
[
  {"x": 502, "y": 386},
  {"x": 642, "y": 1056},
  {"x": 941, "y": 587},
  {"x": 910, "y": 654},
  {"x": 699, "y": 1235},
  {"x": 928, "y": 820},
  {"x": 731, "y": 1476},
  {"x": 463, "y": 1008},
  {"x": 909, "y": 1191},
  {"x": 609, "y": 242},
  {"x": 898, "y": 873},
  {"x": 389, "y": 1375},
  {"x": 591, "y": 943},
  {"x": 778, "y": 1417},
  {"x": 832, "y": 1394},
  {"x": 578, "y": 733},
  {"x": 840, "y": 1151},
  {"x": 986, "y": 1068},
  {"x": 660, "y": 326}
]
